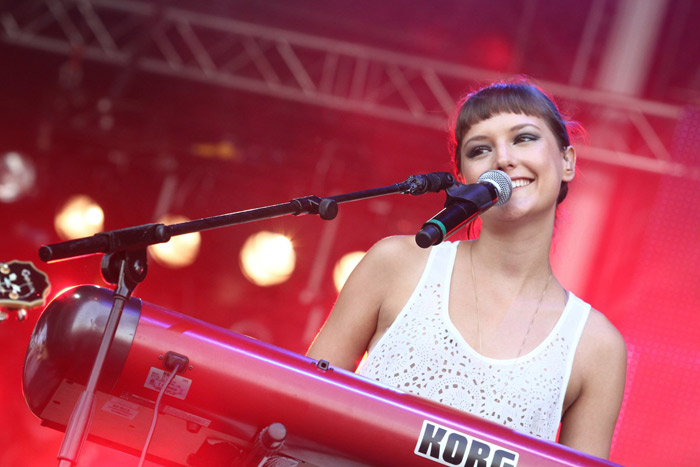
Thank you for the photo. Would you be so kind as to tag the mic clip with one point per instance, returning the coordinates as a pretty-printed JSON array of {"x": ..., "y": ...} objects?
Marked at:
[
  {"x": 425, "y": 183},
  {"x": 460, "y": 193}
]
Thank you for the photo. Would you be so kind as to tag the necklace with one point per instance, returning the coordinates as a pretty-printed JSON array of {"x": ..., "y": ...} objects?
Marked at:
[{"x": 478, "y": 325}]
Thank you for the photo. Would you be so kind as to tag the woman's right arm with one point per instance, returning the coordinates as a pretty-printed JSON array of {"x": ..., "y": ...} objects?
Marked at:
[{"x": 352, "y": 323}]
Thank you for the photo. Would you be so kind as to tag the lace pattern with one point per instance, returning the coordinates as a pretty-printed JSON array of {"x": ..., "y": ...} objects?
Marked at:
[{"x": 424, "y": 354}]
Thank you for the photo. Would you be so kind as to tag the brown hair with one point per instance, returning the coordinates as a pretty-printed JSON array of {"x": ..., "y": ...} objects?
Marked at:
[{"x": 520, "y": 97}]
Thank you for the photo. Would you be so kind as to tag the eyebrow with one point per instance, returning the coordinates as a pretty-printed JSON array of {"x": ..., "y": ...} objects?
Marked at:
[
  {"x": 513, "y": 128},
  {"x": 523, "y": 125}
]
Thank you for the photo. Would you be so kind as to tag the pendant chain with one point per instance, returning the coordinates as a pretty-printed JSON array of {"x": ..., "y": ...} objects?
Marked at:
[{"x": 478, "y": 321}]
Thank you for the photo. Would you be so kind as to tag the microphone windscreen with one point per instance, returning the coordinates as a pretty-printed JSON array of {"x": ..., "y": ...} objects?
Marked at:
[{"x": 501, "y": 181}]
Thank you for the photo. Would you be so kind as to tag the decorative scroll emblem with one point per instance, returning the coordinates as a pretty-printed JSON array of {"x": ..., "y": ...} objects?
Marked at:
[{"x": 22, "y": 286}]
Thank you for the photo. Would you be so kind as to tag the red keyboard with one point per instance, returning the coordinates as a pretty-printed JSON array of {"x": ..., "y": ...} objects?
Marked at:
[{"x": 240, "y": 399}]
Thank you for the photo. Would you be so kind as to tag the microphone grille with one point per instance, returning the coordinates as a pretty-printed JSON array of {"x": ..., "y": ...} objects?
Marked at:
[{"x": 501, "y": 181}]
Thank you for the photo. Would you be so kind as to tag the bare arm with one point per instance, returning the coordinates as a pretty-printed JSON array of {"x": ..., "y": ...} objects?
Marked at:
[
  {"x": 352, "y": 323},
  {"x": 589, "y": 422}
]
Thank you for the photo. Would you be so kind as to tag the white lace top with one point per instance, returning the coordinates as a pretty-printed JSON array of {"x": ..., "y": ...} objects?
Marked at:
[{"x": 423, "y": 353}]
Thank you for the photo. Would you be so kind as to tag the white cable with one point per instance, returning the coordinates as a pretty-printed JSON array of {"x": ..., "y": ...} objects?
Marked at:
[{"x": 155, "y": 414}]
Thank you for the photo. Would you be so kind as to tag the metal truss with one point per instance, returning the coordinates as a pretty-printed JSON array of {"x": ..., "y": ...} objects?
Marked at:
[{"x": 304, "y": 68}]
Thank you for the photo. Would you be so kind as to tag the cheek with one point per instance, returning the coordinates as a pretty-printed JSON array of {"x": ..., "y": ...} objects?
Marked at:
[
  {"x": 548, "y": 162},
  {"x": 472, "y": 170},
  {"x": 469, "y": 176}
]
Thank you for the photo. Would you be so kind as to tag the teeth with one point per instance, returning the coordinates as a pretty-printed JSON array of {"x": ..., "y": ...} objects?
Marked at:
[{"x": 521, "y": 182}]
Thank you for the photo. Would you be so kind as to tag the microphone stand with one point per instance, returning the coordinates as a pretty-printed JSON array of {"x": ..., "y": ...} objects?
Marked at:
[
  {"x": 132, "y": 238},
  {"x": 131, "y": 267},
  {"x": 125, "y": 265}
]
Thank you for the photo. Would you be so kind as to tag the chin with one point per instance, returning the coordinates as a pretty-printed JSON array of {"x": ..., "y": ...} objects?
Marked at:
[{"x": 514, "y": 212}]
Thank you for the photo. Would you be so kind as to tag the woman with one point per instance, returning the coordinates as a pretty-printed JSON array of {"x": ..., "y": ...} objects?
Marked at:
[{"x": 483, "y": 325}]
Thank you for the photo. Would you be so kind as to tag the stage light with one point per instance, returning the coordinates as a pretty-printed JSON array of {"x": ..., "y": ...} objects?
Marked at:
[
  {"x": 267, "y": 258},
  {"x": 79, "y": 217},
  {"x": 344, "y": 267},
  {"x": 17, "y": 176},
  {"x": 181, "y": 250}
]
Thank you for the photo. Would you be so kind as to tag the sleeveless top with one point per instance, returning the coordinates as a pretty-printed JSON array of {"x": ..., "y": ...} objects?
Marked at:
[{"x": 423, "y": 353}]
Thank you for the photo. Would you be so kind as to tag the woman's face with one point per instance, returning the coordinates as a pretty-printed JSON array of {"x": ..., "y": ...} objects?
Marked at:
[{"x": 524, "y": 147}]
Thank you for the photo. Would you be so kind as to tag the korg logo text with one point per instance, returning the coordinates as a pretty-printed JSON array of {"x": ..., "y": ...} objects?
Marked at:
[{"x": 449, "y": 447}]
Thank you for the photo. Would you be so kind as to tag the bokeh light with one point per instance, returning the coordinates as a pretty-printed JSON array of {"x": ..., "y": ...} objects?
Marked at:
[
  {"x": 181, "y": 250},
  {"x": 17, "y": 176},
  {"x": 79, "y": 217},
  {"x": 344, "y": 267},
  {"x": 267, "y": 258}
]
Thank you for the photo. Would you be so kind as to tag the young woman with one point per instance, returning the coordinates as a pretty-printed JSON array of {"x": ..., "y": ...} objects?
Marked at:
[{"x": 483, "y": 325}]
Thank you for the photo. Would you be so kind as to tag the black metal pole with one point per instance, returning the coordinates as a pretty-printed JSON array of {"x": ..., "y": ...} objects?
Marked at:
[
  {"x": 141, "y": 236},
  {"x": 131, "y": 269}
]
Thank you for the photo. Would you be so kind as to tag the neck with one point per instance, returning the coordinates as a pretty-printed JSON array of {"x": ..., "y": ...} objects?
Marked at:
[{"x": 516, "y": 251}]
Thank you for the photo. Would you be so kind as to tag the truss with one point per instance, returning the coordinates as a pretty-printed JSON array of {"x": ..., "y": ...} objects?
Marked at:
[{"x": 299, "y": 67}]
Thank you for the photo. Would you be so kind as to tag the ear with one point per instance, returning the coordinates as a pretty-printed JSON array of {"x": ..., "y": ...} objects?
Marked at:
[{"x": 569, "y": 164}]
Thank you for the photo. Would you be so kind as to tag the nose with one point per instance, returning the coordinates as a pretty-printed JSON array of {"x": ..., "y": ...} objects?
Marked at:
[{"x": 504, "y": 157}]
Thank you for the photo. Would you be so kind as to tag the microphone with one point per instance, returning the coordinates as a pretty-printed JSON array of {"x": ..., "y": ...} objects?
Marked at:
[{"x": 463, "y": 204}]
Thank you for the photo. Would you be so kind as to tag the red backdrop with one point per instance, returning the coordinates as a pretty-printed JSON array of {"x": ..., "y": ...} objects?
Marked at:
[{"x": 628, "y": 241}]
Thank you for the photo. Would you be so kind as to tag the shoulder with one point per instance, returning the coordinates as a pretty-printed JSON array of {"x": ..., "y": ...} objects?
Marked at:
[
  {"x": 397, "y": 251},
  {"x": 602, "y": 346},
  {"x": 600, "y": 330},
  {"x": 398, "y": 244},
  {"x": 385, "y": 265},
  {"x": 389, "y": 271}
]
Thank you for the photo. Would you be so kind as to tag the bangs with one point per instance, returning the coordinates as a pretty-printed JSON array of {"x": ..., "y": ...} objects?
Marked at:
[
  {"x": 506, "y": 98},
  {"x": 485, "y": 107}
]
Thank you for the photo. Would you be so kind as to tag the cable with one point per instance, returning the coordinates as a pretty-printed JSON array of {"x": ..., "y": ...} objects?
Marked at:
[{"x": 155, "y": 413}]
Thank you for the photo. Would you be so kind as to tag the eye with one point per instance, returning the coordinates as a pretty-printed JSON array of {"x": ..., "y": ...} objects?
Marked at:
[
  {"x": 525, "y": 138},
  {"x": 477, "y": 151}
]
